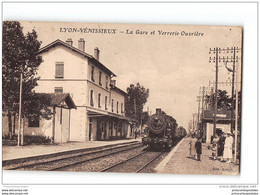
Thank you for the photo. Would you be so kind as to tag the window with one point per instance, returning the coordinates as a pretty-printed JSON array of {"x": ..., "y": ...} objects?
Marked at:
[
  {"x": 100, "y": 76},
  {"x": 112, "y": 105},
  {"x": 58, "y": 90},
  {"x": 99, "y": 98},
  {"x": 105, "y": 102},
  {"x": 117, "y": 107},
  {"x": 34, "y": 121},
  {"x": 106, "y": 82},
  {"x": 59, "y": 71},
  {"x": 91, "y": 98},
  {"x": 122, "y": 111},
  {"x": 92, "y": 74}
]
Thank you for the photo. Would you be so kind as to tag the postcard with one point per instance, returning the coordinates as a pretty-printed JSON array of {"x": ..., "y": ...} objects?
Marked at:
[{"x": 124, "y": 98}]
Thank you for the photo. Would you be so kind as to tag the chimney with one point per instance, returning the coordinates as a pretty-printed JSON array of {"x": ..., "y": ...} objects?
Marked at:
[
  {"x": 158, "y": 110},
  {"x": 81, "y": 44},
  {"x": 113, "y": 83},
  {"x": 69, "y": 41},
  {"x": 96, "y": 54}
]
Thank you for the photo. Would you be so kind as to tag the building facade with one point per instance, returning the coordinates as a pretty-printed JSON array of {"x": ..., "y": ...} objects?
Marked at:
[
  {"x": 100, "y": 113},
  {"x": 57, "y": 128},
  {"x": 223, "y": 123}
]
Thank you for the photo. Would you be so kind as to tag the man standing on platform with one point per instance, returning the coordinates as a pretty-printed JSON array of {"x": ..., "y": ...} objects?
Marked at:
[{"x": 198, "y": 148}]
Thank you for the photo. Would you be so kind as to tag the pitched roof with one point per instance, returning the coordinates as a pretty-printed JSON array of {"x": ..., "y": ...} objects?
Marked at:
[
  {"x": 91, "y": 58},
  {"x": 119, "y": 90},
  {"x": 57, "y": 99}
]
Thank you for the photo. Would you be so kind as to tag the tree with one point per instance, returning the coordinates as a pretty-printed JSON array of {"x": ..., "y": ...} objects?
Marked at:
[
  {"x": 19, "y": 55},
  {"x": 137, "y": 97},
  {"x": 145, "y": 117},
  {"x": 223, "y": 100}
]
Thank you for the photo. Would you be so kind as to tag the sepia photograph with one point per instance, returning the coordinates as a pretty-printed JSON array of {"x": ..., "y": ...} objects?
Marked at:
[{"x": 121, "y": 98}]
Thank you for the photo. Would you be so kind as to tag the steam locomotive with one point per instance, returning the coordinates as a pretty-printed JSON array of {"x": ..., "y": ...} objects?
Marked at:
[{"x": 162, "y": 131}]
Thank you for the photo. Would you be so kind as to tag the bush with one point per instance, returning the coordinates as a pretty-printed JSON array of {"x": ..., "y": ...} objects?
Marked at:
[
  {"x": 27, "y": 139},
  {"x": 36, "y": 139}
]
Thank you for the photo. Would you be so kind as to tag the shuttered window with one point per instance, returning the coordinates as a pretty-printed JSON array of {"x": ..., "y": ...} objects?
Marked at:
[
  {"x": 99, "y": 100},
  {"x": 92, "y": 74},
  {"x": 91, "y": 98},
  {"x": 100, "y": 78},
  {"x": 106, "y": 82},
  {"x": 59, "y": 71},
  {"x": 105, "y": 102}
]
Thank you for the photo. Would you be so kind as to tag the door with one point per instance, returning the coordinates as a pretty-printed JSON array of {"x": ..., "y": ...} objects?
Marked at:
[
  {"x": 105, "y": 130},
  {"x": 90, "y": 130}
]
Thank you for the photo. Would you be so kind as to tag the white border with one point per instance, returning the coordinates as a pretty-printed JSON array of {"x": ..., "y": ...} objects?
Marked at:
[{"x": 242, "y": 14}]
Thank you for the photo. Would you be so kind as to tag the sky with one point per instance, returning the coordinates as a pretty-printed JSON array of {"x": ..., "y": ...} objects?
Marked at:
[{"x": 172, "y": 66}]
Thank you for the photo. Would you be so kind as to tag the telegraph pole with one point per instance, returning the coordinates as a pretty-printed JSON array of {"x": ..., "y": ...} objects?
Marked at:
[
  {"x": 198, "y": 99},
  {"x": 204, "y": 91},
  {"x": 202, "y": 106},
  {"x": 216, "y": 90},
  {"x": 236, "y": 120},
  {"x": 193, "y": 122},
  {"x": 135, "y": 107},
  {"x": 233, "y": 58},
  {"x": 20, "y": 107}
]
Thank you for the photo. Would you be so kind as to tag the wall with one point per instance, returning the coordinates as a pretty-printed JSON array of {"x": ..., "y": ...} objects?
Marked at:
[
  {"x": 120, "y": 98},
  {"x": 61, "y": 126},
  {"x": 97, "y": 89},
  {"x": 75, "y": 74},
  {"x": 225, "y": 128},
  {"x": 74, "y": 83},
  {"x": 78, "y": 123},
  {"x": 44, "y": 129},
  {"x": 46, "y": 126}
]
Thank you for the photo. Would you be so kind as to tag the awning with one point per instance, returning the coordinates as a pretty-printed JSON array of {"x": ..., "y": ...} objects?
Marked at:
[{"x": 94, "y": 114}]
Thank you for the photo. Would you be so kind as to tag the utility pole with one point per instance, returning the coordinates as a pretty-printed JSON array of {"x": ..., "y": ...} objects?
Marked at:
[
  {"x": 211, "y": 98},
  {"x": 233, "y": 58},
  {"x": 216, "y": 95},
  {"x": 198, "y": 99},
  {"x": 225, "y": 60},
  {"x": 204, "y": 91},
  {"x": 193, "y": 122},
  {"x": 232, "y": 93},
  {"x": 236, "y": 118},
  {"x": 193, "y": 125},
  {"x": 202, "y": 106},
  {"x": 20, "y": 107},
  {"x": 215, "y": 59},
  {"x": 135, "y": 107}
]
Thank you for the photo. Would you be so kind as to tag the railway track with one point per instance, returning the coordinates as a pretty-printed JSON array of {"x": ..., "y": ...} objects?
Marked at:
[
  {"x": 125, "y": 158},
  {"x": 134, "y": 164},
  {"x": 70, "y": 159}
]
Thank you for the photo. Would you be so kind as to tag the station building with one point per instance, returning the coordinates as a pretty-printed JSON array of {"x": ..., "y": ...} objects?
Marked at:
[
  {"x": 99, "y": 104},
  {"x": 223, "y": 123}
]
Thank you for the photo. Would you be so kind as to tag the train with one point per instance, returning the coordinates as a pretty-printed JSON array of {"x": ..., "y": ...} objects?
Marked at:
[{"x": 162, "y": 131}]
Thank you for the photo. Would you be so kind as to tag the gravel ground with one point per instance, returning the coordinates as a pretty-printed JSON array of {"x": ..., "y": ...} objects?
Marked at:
[
  {"x": 150, "y": 167},
  {"x": 47, "y": 164},
  {"x": 135, "y": 164},
  {"x": 100, "y": 164}
]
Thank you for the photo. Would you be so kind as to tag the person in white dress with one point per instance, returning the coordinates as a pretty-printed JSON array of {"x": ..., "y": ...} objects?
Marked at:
[{"x": 228, "y": 148}]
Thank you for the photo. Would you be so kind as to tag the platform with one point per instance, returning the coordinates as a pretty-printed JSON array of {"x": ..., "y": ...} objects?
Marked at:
[
  {"x": 178, "y": 162},
  {"x": 18, "y": 152}
]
